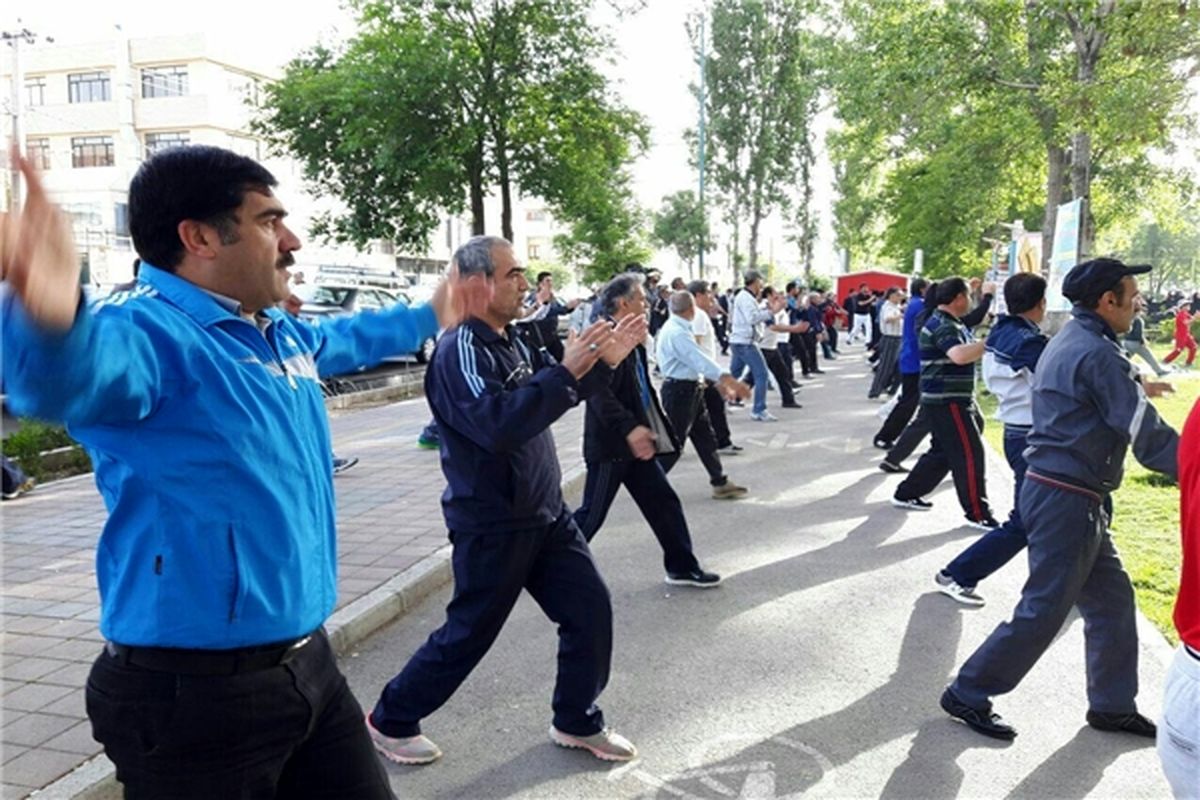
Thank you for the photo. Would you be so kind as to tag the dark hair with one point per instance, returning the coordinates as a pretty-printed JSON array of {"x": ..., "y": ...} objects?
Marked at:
[
  {"x": 767, "y": 291},
  {"x": 195, "y": 182},
  {"x": 541, "y": 276},
  {"x": 891, "y": 290},
  {"x": 698, "y": 287},
  {"x": 1092, "y": 300},
  {"x": 1023, "y": 291},
  {"x": 615, "y": 290},
  {"x": 918, "y": 286},
  {"x": 791, "y": 285},
  {"x": 949, "y": 289}
]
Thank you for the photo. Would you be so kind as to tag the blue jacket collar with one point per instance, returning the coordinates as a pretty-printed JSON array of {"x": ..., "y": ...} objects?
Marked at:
[
  {"x": 1093, "y": 321},
  {"x": 194, "y": 301}
]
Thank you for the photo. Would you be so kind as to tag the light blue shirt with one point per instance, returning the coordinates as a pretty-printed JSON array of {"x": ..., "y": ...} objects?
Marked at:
[{"x": 680, "y": 356}]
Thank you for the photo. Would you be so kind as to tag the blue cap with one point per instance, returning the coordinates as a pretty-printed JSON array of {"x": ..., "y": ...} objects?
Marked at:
[{"x": 1094, "y": 278}]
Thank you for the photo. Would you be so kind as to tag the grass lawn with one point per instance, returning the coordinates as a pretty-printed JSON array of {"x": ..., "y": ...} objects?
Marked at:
[{"x": 1146, "y": 509}]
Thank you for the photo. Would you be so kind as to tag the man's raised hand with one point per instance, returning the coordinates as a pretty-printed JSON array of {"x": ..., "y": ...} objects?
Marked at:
[
  {"x": 38, "y": 257},
  {"x": 581, "y": 352},
  {"x": 626, "y": 335}
]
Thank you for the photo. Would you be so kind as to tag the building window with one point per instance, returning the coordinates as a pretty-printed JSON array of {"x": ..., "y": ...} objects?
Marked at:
[
  {"x": 89, "y": 87},
  {"x": 164, "y": 81},
  {"x": 535, "y": 215},
  {"x": 161, "y": 141},
  {"x": 35, "y": 91},
  {"x": 535, "y": 251},
  {"x": 121, "y": 219},
  {"x": 92, "y": 151},
  {"x": 38, "y": 152}
]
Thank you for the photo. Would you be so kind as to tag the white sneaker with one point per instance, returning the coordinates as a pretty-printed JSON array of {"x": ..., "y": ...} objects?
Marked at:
[
  {"x": 963, "y": 594},
  {"x": 404, "y": 750},
  {"x": 607, "y": 745},
  {"x": 763, "y": 416}
]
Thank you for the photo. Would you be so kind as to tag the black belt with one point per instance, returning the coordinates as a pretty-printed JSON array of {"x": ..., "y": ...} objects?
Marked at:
[
  {"x": 681, "y": 380},
  {"x": 1066, "y": 486},
  {"x": 210, "y": 662}
]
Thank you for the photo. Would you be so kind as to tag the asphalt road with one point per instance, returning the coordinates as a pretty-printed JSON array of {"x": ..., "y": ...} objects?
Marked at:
[{"x": 813, "y": 671}]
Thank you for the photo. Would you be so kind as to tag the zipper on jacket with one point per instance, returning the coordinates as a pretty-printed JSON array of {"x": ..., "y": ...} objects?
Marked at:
[{"x": 158, "y": 565}]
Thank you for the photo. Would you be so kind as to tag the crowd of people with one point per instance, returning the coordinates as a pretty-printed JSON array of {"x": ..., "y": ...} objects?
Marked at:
[{"x": 217, "y": 679}]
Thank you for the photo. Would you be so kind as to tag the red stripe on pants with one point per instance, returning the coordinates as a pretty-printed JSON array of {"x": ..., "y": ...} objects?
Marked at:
[{"x": 969, "y": 452}]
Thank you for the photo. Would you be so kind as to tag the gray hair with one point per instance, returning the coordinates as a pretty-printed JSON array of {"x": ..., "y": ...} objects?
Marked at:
[
  {"x": 475, "y": 255},
  {"x": 699, "y": 287},
  {"x": 617, "y": 289},
  {"x": 681, "y": 302},
  {"x": 751, "y": 276}
]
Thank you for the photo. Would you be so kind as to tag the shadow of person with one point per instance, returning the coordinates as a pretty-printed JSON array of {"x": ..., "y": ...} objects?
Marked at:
[
  {"x": 931, "y": 768},
  {"x": 799, "y": 758},
  {"x": 1075, "y": 769}
]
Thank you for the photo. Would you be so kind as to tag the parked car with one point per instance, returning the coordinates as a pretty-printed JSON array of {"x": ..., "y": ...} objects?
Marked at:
[{"x": 328, "y": 301}]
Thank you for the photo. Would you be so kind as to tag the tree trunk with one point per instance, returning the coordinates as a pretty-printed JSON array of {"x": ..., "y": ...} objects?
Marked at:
[
  {"x": 1081, "y": 186},
  {"x": 1056, "y": 168},
  {"x": 478, "y": 226},
  {"x": 506, "y": 228}
]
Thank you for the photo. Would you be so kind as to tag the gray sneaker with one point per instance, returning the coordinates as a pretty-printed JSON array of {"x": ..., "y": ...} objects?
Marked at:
[
  {"x": 404, "y": 750},
  {"x": 951, "y": 588},
  {"x": 607, "y": 745}
]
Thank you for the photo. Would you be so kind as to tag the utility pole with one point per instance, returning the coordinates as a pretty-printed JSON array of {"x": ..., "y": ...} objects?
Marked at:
[
  {"x": 703, "y": 59},
  {"x": 13, "y": 39}
]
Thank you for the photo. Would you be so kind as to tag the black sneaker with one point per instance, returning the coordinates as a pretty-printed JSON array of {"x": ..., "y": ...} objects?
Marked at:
[
  {"x": 1133, "y": 723},
  {"x": 697, "y": 577},
  {"x": 888, "y": 466},
  {"x": 981, "y": 720},
  {"x": 915, "y": 504},
  {"x": 730, "y": 449},
  {"x": 340, "y": 465},
  {"x": 988, "y": 523}
]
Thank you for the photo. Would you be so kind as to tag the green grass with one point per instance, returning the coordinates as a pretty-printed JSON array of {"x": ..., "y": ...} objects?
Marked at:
[{"x": 1146, "y": 511}]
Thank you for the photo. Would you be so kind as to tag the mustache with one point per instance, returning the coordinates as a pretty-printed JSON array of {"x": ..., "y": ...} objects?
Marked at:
[{"x": 286, "y": 260}]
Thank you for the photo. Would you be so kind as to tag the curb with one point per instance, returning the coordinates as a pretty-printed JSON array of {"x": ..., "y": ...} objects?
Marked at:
[{"x": 347, "y": 627}]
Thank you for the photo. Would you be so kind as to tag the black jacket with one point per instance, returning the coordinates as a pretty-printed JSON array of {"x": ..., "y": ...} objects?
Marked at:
[{"x": 616, "y": 409}]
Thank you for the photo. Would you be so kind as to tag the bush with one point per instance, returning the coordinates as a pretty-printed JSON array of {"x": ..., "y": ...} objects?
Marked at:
[{"x": 27, "y": 444}]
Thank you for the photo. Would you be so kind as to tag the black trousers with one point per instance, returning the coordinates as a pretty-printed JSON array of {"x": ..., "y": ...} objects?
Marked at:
[
  {"x": 292, "y": 730},
  {"x": 716, "y": 414},
  {"x": 647, "y": 484},
  {"x": 775, "y": 364},
  {"x": 887, "y": 374},
  {"x": 804, "y": 345},
  {"x": 555, "y": 566},
  {"x": 683, "y": 403},
  {"x": 956, "y": 448},
  {"x": 906, "y": 406},
  {"x": 787, "y": 355}
]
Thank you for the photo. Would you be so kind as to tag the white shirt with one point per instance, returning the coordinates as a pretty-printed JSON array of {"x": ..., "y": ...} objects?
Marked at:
[
  {"x": 770, "y": 338},
  {"x": 746, "y": 314},
  {"x": 702, "y": 329},
  {"x": 891, "y": 319}
]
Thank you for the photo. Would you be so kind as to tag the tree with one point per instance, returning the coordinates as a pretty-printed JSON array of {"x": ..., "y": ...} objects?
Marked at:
[
  {"x": 434, "y": 102},
  {"x": 680, "y": 224},
  {"x": 1089, "y": 87},
  {"x": 760, "y": 80}
]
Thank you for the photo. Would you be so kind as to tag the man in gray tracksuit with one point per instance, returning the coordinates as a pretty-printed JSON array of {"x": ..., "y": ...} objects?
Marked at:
[{"x": 1089, "y": 407}]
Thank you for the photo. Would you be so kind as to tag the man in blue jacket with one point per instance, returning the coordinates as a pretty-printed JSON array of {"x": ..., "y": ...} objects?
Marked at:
[
  {"x": 1089, "y": 408},
  {"x": 494, "y": 399},
  {"x": 200, "y": 406}
]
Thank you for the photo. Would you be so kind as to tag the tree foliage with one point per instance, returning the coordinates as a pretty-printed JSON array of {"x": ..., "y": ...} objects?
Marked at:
[
  {"x": 761, "y": 81},
  {"x": 680, "y": 224},
  {"x": 435, "y": 102},
  {"x": 1000, "y": 108}
]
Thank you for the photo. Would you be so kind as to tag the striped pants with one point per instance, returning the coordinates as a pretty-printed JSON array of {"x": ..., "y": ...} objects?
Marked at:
[{"x": 956, "y": 448}]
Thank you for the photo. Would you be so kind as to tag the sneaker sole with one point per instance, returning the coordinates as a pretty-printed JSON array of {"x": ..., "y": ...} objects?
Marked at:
[
  {"x": 396, "y": 759},
  {"x": 730, "y": 496},
  {"x": 696, "y": 584},
  {"x": 571, "y": 743},
  {"x": 981, "y": 527},
  {"x": 958, "y": 598},
  {"x": 907, "y": 507}
]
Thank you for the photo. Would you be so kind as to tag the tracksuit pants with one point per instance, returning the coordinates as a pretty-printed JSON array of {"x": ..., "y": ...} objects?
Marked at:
[
  {"x": 956, "y": 448},
  {"x": 555, "y": 566},
  {"x": 997, "y": 547},
  {"x": 1179, "y": 728},
  {"x": 887, "y": 373},
  {"x": 1072, "y": 563},
  {"x": 683, "y": 403},
  {"x": 647, "y": 484},
  {"x": 906, "y": 406}
]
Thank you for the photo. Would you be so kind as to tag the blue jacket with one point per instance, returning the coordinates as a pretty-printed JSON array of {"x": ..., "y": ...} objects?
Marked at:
[
  {"x": 1089, "y": 408},
  {"x": 211, "y": 450},
  {"x": 494, "y": 399},
  {"x": 1009, "y": 363},
  {"x": 910, "y": 346}
]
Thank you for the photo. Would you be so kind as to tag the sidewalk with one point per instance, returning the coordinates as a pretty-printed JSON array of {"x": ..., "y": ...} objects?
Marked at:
[{"x": 390, "y": 532}]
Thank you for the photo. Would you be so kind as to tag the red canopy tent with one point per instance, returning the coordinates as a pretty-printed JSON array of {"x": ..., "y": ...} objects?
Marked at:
[{"x": 875, "y": 279}]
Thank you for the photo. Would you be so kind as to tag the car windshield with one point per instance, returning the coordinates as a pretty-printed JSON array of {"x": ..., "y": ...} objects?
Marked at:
[{"x": 322, "y": 295}]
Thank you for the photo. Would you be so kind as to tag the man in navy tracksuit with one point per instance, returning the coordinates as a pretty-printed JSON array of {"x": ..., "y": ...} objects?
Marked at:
[
  {"x": 1009, "y": 363},
  {"x": 494, "y": 399},
  {"x": 1089, "y": 408}
]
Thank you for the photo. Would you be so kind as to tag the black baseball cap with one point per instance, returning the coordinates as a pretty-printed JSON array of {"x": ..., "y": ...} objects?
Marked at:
[{"x": 1094, "y": 278}]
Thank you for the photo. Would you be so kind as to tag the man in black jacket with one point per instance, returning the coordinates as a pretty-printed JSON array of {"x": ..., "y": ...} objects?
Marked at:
[
  {"x": 624, "y": 431},
  {"x": 494, "y": 400}
]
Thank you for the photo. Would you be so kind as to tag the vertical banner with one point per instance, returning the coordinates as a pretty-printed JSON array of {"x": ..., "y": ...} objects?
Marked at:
[{"x": 1064, "y": 255}]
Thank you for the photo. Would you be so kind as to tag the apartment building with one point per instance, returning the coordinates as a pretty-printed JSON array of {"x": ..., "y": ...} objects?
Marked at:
[{"x": 91, "y": 113}]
